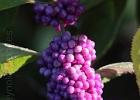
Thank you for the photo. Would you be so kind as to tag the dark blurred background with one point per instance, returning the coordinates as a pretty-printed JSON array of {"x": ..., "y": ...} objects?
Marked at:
[{"x": 28, "y": 84}]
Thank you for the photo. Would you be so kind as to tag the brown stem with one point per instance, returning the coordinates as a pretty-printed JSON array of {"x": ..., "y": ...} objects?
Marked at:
[{"x": 62, "y": 26}]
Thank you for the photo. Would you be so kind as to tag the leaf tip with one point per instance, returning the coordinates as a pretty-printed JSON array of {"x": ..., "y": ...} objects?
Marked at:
[{"x": 30, "y": 1}]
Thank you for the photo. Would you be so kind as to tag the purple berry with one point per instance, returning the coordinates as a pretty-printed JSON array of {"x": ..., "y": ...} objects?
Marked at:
[
  {"x": 56, "y": 9},
  {"x": 54, "y": 22},
  {"x": 78, "y": 56},
  {"x": 55, "y": 46},
  {"x": 48, "y": 59},
  {"x": 65, "y": 80},
  {"x": 67, "y": 33},
  {"x": 63, "y": 51},
  {"x": 70, "y": 89},
  {"x": 62, "y": 58},
  {"x": 64, "y": 45},
  {"x": 71, "y": 70},
  {"x": 57, "y": 38},
  {"x": 59, "y": 78},
  {"x": 46, "y": 19},
  {"x": 79, "y": 10},
  {"x": 65, "y": 37},
  {"x": 56, "y": 63},
  {"x": 38, "y": 18},
  {"x": 75, "y": 4},
  {"x": 47, "y": 73},
  {"x": 50, "y": 66},
  {"x": 70, "y": 57},
  {"x": 66, "y": 95},
  {"x": 42, "y": 70},
  {"x": 55, "y": 55},
  {"x": 62, "y": 14},
  {"x": 78, "y": 84},
  {"x": 74, "y": 76},
  {"x": 60, "y": 5},
  {"x": 82, "y": 37},
  {"x": 39, "y": 8},
  {"x": 70, "y": 18},
  {"x": 71, "y": 44},
  {"x": 49, "y": 51},
  {"x": 66, "y": 2},
  {"x": 49, "y": 11},
  {"x": 70, "y": 51},
  {"x": 41, "y": 63},
  {"x": 70, "y": 9},
  {"x": 64, "y": 87},
  {"x": 77, "y": 49}
]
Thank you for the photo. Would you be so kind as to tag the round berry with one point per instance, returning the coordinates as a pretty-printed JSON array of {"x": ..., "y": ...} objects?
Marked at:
[
  {"x": 62, "y": 14},
  {"x": 39, "y": 8},
  {"x": 54, "y": 22},
  {"x": 49, "y": 11},
  {"x": 70, "y": 57},
  {"x": 70, "y": 89}
]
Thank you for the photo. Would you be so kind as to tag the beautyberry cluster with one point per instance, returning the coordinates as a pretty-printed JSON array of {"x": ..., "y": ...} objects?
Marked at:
[
  {"x": 65, "y": 10},
  {"x": 67, "y": 63}
]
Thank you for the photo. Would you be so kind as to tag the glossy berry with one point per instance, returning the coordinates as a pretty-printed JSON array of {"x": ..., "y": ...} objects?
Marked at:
[{"x": 39, "y": 8}]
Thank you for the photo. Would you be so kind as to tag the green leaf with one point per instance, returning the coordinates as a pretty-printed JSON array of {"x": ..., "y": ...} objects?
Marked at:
[
  {"x": 101, "y": 23},
  {"x": 14, "y": 57},
  {"x": 5, "y": 4},
  {"x": 135, "y": 56},
  {"x": 110, "y": 71},
  {"x": 105, "y": 80},
  {"x": 7, "y": 18}
]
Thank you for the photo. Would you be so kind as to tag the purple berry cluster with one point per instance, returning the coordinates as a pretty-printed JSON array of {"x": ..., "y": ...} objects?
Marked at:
[
  {"x": 67, "y": 63},
  {"x": 65, "y": 10}
]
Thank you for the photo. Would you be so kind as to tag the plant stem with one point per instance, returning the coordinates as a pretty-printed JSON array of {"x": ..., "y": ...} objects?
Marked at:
[{"x": 62, "y": 26}]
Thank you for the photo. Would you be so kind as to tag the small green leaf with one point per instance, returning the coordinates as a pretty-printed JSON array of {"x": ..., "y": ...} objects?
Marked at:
[
  {"x": 113, "y": 70},
  {"x": 135, "y": 56},
  {"x": 5, "y": 4},
  {"x": 14, "y": 57}
]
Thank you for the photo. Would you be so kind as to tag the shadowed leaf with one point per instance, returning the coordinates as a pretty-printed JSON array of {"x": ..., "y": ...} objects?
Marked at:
[
  {"x": 14, "y": 57},
  {"x": 113, "y": 70},
  {"x": 5, "y": 4}
]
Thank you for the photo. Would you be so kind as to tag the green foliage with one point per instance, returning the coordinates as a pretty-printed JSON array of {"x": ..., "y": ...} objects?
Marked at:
[
  {"x": 14, "y": 57},
  {"x": 5, "y": 4},
  {"x": 135, "y": 55},
  {"x": 102, "y": 22}
]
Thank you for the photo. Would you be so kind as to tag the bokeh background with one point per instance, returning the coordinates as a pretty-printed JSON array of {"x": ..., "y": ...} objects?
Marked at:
[{"x": 110, "y": 23}]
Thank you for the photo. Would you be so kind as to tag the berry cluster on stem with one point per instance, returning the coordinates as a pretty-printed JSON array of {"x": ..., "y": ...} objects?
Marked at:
[
  {"x": 67, "y": 63},
  {"x": 67, "y": 60},
  {"x": 65, "y": 10}
]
